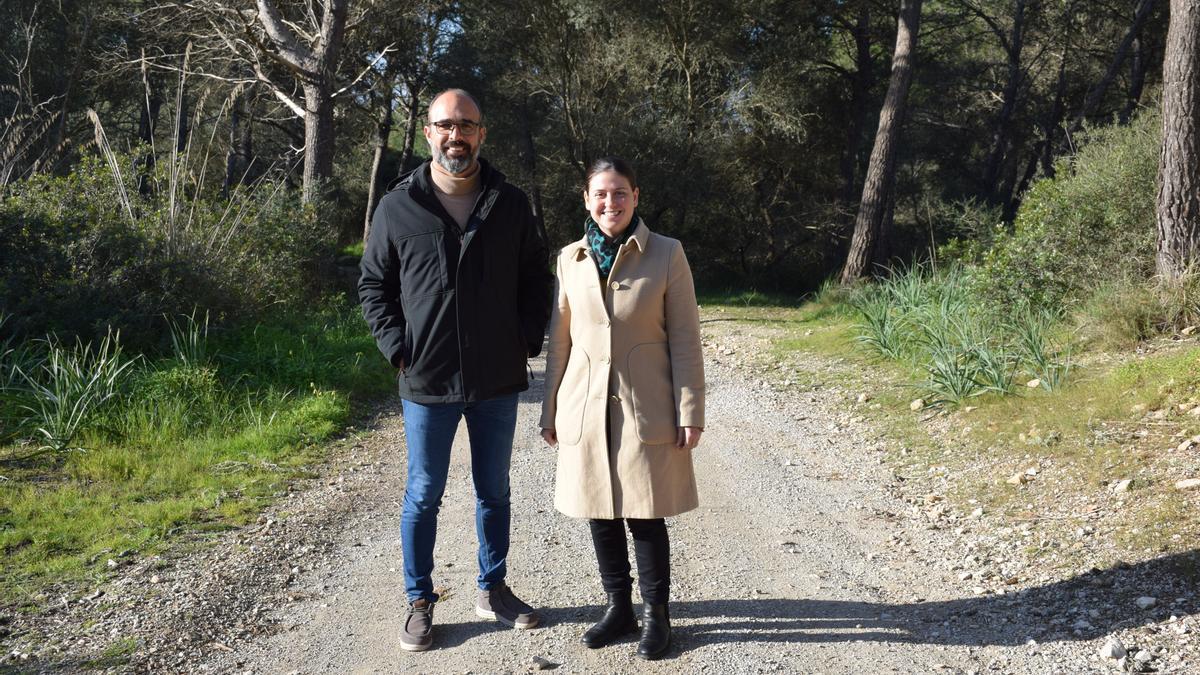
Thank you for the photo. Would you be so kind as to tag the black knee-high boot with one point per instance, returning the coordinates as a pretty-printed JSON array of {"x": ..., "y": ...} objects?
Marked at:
[
  {"x": 618, "y": 620},
  {"x": 656, "y": 632}
]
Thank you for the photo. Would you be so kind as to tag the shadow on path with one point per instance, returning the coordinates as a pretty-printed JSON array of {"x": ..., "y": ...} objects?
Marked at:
[
  {"x": 1055, "y": 612},
  {"x": 1045, "y": 613}
]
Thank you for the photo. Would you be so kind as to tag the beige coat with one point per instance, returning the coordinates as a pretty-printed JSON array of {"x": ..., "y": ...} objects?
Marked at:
[{"x": 626, "y": 354}]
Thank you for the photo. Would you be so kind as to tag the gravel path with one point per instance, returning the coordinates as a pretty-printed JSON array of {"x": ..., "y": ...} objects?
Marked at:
[
  {"x": 771, "y": 573},
  {"x": 808, "y": 554}
]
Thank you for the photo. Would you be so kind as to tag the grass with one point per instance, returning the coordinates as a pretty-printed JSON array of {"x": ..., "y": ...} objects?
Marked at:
[
  {"x": 115, "y": 655},
  {"x": 198, "y": 440},
  {"x": 963, "y": 347}
]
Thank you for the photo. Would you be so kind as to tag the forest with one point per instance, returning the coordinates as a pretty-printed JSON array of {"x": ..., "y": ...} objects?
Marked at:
[
  {"x": 752, "y": 123},
  {"x": 185, "y": 188}
]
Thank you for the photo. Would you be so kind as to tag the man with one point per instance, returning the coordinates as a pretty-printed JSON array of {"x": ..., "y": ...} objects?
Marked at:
[{"x": 456, "y": 287}]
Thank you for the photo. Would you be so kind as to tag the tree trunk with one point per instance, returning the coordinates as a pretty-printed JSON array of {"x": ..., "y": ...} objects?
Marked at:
[
  {"x": 1001, "y": 136},
  {"x": 887, "y": 230},
  {"x": 1096, "y": 95},
  {"x": 147, "y": 123},
  {"x": 318, "y": 141},
  {"x": 383, "y": 131},
  {"x": 881, "y": 172},
  {"x": 1179, "y": 164},
  {"x": 237, "y": 161},
  {"x": 863, "y": 76},
  {"x": 81, "y": 45},
  {"x": 529, "y": 160},
  {"x": 317, "y": 64},
  {"x": 1137, "y": 79},
  {"x": 410, "y": 128},
  {"x": 1051, "y": 127},
  {"x": 183, "y": 124}
]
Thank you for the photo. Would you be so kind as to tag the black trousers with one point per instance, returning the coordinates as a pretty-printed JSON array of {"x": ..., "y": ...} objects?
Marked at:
[{"x": 651, "y": 548}]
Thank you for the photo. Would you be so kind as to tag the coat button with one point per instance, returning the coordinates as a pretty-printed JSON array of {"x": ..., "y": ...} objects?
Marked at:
[
  {"x": 604, "y": 359},
  {"x": 614, "y": 398},
  {"x": 615, "y": 285}
]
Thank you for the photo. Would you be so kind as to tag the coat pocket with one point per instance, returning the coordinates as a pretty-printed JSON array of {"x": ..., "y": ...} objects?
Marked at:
[
  {"x": 652, "y": 393},
  {"x": 423, "y": 268},
  {"x": 572, "y": 397}
]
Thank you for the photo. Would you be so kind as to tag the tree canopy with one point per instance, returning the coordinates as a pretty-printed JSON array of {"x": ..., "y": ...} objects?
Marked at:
[{"x": 751, "y": 122}]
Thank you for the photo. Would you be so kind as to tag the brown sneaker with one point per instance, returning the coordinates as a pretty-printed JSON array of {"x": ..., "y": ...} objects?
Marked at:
[
  {"x": 501, "y": 605},
  {"x": 417, "y": 635}
]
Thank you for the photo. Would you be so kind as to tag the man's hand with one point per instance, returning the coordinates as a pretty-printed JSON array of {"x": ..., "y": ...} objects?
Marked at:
[
  {"x": 400, "y": 365},
  {"x": 550, "y": 436},
  {"x": 687, "y": 438}
]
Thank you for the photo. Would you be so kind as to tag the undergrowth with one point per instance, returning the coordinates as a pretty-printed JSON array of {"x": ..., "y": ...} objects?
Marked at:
[{"x": 196, "y": 438}]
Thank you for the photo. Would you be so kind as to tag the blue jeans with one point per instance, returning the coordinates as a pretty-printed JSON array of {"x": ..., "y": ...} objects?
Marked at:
[{"x": 429, "y": 430}]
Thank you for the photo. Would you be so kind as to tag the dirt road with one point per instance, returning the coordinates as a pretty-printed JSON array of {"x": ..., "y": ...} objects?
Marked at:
[
  {"x": 809, "y": 554},
  {"x": 796, "y": 561}
]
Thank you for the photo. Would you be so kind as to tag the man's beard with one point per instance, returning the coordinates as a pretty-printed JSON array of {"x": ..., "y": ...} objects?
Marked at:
[{"x": 456, "y": 164}]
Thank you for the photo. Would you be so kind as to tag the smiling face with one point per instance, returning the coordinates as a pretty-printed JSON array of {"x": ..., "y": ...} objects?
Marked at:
[
  {"x": 610, "y": 199},
  {"x": 454, "y": 150}
]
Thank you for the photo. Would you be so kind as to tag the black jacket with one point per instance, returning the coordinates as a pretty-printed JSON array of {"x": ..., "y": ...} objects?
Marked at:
[{"x": 464, "y": 315}]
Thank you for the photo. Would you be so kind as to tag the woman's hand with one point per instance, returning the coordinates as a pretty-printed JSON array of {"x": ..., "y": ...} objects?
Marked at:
[
  {"x": 686, "y": 438},
  {"x": 550, "y": 436}
]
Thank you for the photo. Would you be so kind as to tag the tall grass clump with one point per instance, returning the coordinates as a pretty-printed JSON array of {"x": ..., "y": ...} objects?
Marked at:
[
  {"x": 1032, "y": 330},
  {"x": 881, "y": 329},
  {"x": 189, "y": 339},
  {"x": 1121, "y": 314},
  {"x": 931, "y": 320},
  {"x": 70, "y": 386}
]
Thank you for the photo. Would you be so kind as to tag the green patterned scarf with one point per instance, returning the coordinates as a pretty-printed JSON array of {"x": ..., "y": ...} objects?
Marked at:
[{"x": 604, "y": 249}]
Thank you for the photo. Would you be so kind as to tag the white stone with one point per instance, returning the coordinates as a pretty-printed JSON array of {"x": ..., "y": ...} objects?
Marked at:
[
  {"x": 1113, "y": 649},
  {"x": 1146, "y": 602}
]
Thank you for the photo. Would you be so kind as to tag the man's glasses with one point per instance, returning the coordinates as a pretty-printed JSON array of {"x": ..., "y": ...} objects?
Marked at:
[{"x": 465, "y": 127}]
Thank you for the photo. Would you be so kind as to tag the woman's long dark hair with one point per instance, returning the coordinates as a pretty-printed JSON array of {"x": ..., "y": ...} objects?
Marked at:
[{"x": 611, "y": 163}]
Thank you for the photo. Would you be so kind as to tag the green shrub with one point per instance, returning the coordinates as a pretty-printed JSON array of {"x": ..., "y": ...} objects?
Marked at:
[
  {"x": 80, "y": 259},
  {"x": 1094, "y": 220},
  {"x": 969, "y": 225}
]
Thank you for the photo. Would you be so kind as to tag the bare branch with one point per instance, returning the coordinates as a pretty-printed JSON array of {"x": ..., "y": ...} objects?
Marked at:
[
  {"x": 282, "y": 36},
  {"x": 370, "y": 66}
]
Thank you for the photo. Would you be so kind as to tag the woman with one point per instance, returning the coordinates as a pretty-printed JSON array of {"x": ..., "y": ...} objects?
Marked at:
[{"x": 624, "y": 398}]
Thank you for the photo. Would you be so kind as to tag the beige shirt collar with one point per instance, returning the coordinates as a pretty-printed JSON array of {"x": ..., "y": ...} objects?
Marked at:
[{"x": 454, "y": 185}]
